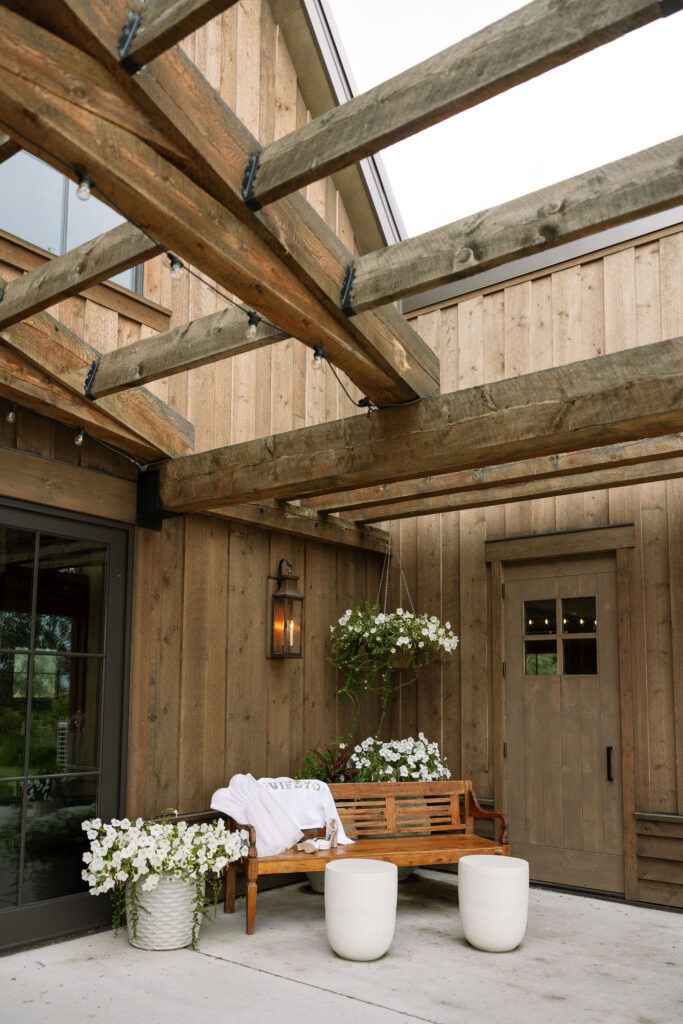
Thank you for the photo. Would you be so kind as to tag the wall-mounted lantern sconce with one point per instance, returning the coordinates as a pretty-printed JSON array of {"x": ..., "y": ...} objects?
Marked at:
[{"x": 288, "y": 606}]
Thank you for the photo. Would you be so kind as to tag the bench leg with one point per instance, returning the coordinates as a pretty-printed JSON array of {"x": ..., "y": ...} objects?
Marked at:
[
  {"x": 251, "y": 906},
  {"x": 230, "y": 885}
]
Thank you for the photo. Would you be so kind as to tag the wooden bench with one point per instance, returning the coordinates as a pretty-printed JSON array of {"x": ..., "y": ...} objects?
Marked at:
[{"x": 407, "y": 823}]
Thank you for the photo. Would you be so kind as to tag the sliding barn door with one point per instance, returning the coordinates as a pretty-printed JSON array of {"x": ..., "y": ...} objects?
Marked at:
[{"x": 563, "y": 754}]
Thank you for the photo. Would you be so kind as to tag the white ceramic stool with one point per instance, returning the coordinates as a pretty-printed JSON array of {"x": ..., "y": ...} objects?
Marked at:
[
  {"x": 493, "y": 893},
  {"x": 360, "y": 907}
]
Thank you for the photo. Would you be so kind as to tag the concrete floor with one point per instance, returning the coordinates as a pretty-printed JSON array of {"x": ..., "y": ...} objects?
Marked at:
[{"x": 582, "y": 960}]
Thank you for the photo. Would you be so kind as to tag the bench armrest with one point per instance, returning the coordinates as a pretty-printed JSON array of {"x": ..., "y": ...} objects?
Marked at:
[{"x": 473, "y": 809}]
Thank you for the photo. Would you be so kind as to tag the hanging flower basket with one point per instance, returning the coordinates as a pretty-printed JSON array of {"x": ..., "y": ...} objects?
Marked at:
[{"x": 369, "y": 647}]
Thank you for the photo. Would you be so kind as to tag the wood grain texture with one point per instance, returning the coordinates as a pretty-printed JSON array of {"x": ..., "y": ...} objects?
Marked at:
[
  {"x": 88, "y": 264},
  {"x": 603, "y": 197},
  {"x": 626, "y": 395},
  {"x": 516, "y": 48},
  {"x": 163, "y": 23}
]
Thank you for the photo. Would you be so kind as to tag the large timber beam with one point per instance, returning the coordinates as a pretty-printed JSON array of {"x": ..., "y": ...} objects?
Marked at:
[
  {"x": 94, "y": 261},
  {"x": 185, "y": 188},
  {"x": 163, "y": 23},
  {"x": 8, "y": 147},
  {"x": 203, "y": 341},
  {"x": 604, "y": 197},
  {"x": 615, "y": 476},
  {"x": 526, "y": 43},
  {"x": 545, "y": 468},
  {"x": 302, "y": 522},
  {"x": 618, "y": 397},
  {"x": 138, "y": 422}
]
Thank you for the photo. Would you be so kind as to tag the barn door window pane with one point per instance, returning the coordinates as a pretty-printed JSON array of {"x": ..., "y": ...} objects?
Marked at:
[
  {"x": 540, "y": 657},
  {"x": 540, "y": 617},
  {"x": 580, "y": 657},
  {"x": 579, "y": 615}
]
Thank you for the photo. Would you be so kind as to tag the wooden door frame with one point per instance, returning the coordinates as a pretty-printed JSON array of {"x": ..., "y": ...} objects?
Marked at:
[{"x": 570, "y": 544}]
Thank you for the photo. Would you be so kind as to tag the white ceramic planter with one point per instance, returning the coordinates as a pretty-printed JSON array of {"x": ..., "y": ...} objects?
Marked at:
[
  {"x": 168, "y": 925},
  {"x": 360, "y": 907},
  {"x": 493, "y": 893}
]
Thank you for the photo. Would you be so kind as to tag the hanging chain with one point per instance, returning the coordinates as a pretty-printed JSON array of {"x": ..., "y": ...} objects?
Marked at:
[{"x": 384, "y": 576}]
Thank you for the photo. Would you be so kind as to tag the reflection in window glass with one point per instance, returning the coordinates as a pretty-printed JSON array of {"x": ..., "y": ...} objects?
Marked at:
[
  {"x": 13, "y": 687},
  {"x": 580, "y": 657},
  {"x": 31, "y": 201},
  {"x": 65, "y": 715},
  {"x": 540, "y": 657},
  {"x": 578, "y": 615},
  {"x": 540, "y": 617},
  {"x": 70, "y": 596},
  {"x": 10, "y": 839},
  {"x": 16, "y": 579},
  {"x": 55, "y": 841}
]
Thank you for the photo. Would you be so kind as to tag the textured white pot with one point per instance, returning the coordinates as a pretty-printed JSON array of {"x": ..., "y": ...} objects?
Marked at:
[
  {"x": 493, "y": 894},
  {"x": 360, "y": 907},
  {"x": 168, "y": 925}
]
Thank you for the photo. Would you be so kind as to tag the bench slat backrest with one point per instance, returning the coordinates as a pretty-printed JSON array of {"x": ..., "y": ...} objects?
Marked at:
[{"x": 374, "y": 809}]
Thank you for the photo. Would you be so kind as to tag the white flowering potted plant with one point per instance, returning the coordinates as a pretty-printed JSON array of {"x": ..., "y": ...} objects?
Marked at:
[
  {"x": 406, "y": 760},
  {"x": 370, "y": 647},
  {"x": 158, "y": 873}
]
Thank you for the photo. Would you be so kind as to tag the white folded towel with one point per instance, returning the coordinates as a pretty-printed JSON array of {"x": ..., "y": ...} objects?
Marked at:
[{"x": 308, "y": 801}]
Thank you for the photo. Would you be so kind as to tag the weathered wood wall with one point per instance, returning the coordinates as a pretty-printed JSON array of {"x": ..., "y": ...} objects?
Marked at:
[{"x": 620, "y": 299}]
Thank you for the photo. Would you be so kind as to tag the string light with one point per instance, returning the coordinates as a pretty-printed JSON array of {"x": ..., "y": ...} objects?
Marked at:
[
  {"x": 84, "y": 190},
  {"x": 11, "y": 414},
  {"x": 254, "y": 321},
  {"x": 318, "y": 356},
  {"x": 177, "y": 266},
  {"x": 79, "y": 437}
]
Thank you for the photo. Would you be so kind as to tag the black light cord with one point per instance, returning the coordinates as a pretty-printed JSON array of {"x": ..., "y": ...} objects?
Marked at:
[{"x": 175, "y": 261}]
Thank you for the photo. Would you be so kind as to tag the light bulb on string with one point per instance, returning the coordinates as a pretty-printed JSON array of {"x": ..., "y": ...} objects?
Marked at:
[
  {"x": 84, "y": 187},
  {"x": 79, "y": 438},
  {"x": 318, "y": 356},
  {"x": 254, "y": 321},
  {"x": 11, "y": 414},
  {"x": 177, "y": 267}
]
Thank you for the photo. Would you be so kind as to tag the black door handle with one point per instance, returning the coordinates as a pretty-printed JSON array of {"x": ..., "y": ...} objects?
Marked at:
[{"x": 610, "y": 777}]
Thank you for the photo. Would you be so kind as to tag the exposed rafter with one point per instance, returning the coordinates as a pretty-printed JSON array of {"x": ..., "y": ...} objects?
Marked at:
[
  {"x": 138, "y": 422},
  {"x": 161, "y": 24},
  {"x": 302, "y": 522},
  {"x": 573, "y": 483},
  {"x": 94, "y": 261},
  {"x": 622, "y": 396},
  {"x": 539, "y": 36},
  {"x": 8, "y": 147},
  {"x": 618, "y": 192},
  {"x": 195, "y": 344},
  {"x": 530, "y": 470},
  {"x": 186, "y": 189}
]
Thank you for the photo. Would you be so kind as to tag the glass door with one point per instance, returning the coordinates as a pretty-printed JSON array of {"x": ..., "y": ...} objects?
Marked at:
[{"x": 62, "y": 632}]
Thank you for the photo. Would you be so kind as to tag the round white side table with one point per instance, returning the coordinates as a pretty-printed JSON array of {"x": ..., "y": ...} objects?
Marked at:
[
  {"x": 493, "y": 893},
  {"x": 360, "y": 907}
]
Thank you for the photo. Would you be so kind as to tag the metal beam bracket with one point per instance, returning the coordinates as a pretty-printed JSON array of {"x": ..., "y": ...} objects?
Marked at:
[
  {"x": 126, "y": 41},
  {"x": 248, "y": 182},
  {"x": 150, "y": 513},
  {"x": 347, "y": 286},
  {"x": 2, "y": 294},
  {"x": 670, "y": 7},
  {"x": 90, "y": 379}
]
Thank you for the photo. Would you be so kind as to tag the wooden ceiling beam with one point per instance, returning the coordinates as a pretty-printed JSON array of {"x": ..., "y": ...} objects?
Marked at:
[
  {"x": 526, "y": 43},
  {"x": 300, "y": 522},
  {"x": 163, "y": 23},
  {"x": 8, "y": 147},
  {"x": 636, "y": 186},
  {"x": 203, "y": 341},
  {"x": 527, "y": 471},
  {"x": 305, "y": 262},
  {"x": 623, "y": 396},
  {"x": 143, "y": 424},
  {"x": 573, "y": 483},
  {"x": 94, "y": 261}
]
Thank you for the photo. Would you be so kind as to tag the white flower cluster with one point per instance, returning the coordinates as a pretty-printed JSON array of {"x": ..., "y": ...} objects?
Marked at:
[
  {"x": 124, "y": 851},
  {"x": 406, "y": 760},
  {"x": 403, "y": 629}
]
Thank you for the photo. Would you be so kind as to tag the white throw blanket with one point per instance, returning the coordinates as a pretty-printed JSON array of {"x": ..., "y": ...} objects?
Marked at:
[{"x": 278, "y": 809}]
